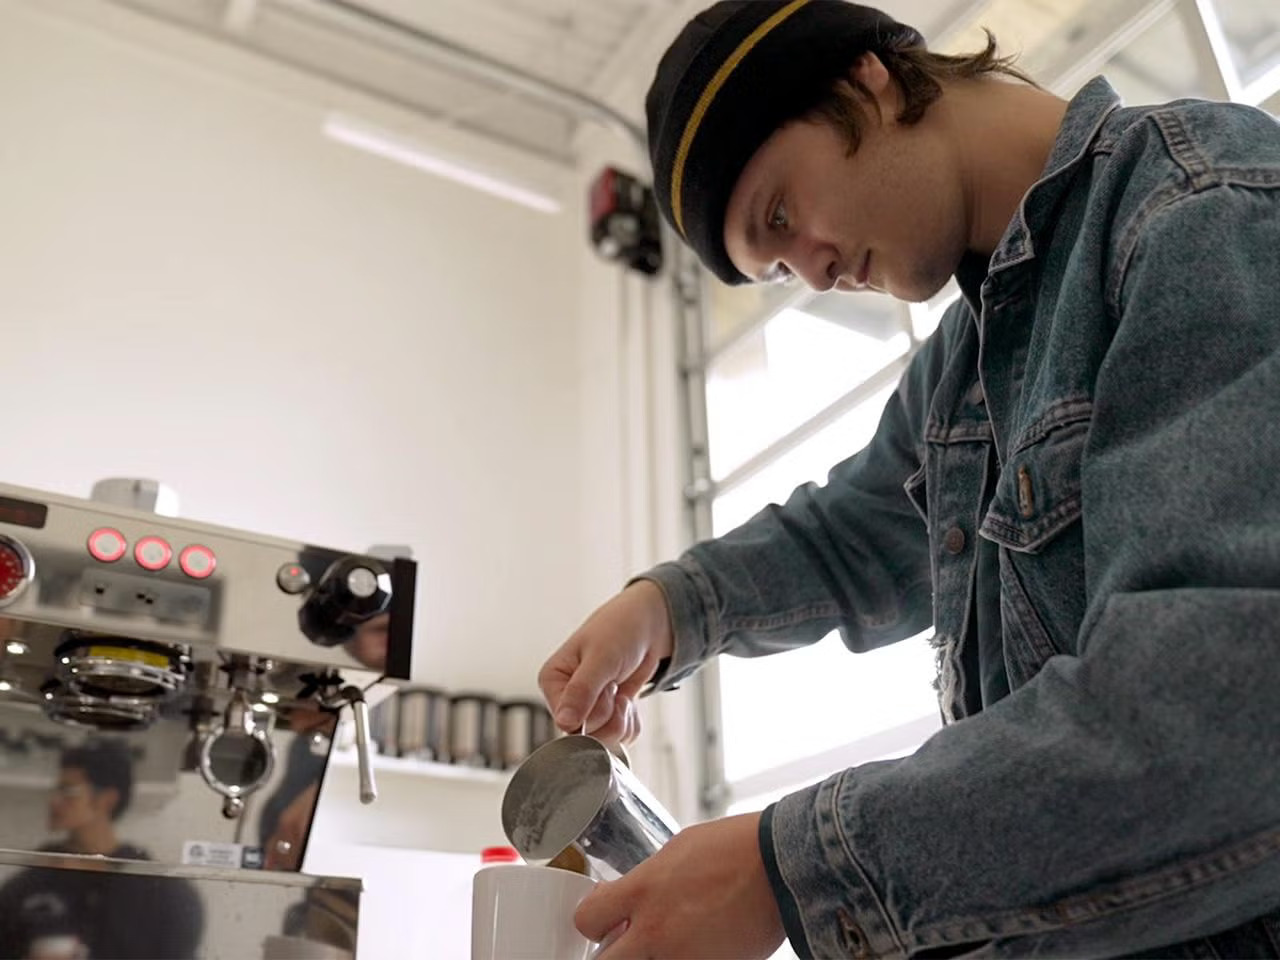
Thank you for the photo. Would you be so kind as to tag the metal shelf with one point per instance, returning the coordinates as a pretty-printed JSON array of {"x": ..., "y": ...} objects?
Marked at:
[{"x": 406, "y": 766}]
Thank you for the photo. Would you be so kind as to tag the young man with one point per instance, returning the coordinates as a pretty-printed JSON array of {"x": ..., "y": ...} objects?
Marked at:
[
  {"x": 95, "y": 785},
  {"x": 1074, "y": 483}
]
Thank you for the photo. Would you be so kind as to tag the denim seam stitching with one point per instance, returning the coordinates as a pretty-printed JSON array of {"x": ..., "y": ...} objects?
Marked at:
[
  {"x": 788, "y": 618},
  {"x": 1027, "y": 538},
  {"x": 1068, "y": 165},
  {"x": 1124, "y": 897},
  {"x": 847, "y": 847},
  {"x": 706, "y": 593},
  {"x": 1064, "y": 413},
  {"x": 965, "y": 431},
  {"x": 1133, "y": 234},
  {"x": 1033, "y": 628}
]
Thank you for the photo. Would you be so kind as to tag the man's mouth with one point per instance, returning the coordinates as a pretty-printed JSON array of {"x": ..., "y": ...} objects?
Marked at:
[{"x": 863, "y": 276}]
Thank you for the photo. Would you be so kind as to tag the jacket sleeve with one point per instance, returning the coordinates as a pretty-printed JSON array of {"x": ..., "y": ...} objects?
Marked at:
[
  {"x": 852, "y": 554},
  {"x": 1128, "y": 795}
]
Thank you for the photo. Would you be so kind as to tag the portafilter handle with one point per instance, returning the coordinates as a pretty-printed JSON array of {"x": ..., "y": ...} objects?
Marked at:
[{"x": 364, "y": 763}]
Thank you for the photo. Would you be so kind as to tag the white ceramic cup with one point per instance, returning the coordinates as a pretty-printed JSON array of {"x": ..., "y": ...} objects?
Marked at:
[{"x": 522, "y": 912}]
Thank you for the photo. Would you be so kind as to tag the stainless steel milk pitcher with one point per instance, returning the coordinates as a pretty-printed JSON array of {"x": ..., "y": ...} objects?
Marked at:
[{"x": 573, "y": 792}]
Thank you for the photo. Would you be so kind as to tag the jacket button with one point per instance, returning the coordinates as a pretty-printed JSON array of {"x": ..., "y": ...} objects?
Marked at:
[
  {"x": 855, "y": 941},
  {"x": 1026, "y": 494},
  {"x": 953, "y": 540},
  {"x": 975, "y": 395}
]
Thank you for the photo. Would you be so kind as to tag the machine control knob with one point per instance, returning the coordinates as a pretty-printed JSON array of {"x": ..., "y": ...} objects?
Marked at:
[
  {"x": 352, "y": 590},
  {"x": 293, "y": 578},
  {"x": 17, "y": 570}
]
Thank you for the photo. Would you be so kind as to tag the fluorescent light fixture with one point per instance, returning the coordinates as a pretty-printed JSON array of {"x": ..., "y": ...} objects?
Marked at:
[{"x": 392, "y": 147}]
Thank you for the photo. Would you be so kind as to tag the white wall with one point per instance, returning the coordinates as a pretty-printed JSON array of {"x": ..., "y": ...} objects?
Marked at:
[
  {"x": 633, "y": 454},
  {"x": 310, "y": 342},
  {"x": 303, "y": 340}
]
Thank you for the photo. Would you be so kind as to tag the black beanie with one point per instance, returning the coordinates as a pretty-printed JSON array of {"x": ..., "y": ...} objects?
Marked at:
[{"x": 737, "y": 72}]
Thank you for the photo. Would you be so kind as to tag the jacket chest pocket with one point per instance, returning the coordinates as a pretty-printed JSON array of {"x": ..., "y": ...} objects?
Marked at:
[{"x": 1034, "y": 517}]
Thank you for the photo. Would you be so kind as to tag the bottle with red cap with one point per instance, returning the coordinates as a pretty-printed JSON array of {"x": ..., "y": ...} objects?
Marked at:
[{"x": 499, "y": 855}]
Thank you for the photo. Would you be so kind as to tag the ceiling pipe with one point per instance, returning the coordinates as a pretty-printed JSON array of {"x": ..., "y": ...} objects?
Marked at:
[{"x": 482, "y": 66}]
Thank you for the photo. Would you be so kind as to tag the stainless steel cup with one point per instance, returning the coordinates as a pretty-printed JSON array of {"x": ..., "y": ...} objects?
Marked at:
[{"x": 574, "y": 792}]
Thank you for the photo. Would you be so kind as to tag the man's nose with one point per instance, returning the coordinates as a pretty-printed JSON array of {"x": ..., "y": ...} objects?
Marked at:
[{"x": 817, "y": 266}]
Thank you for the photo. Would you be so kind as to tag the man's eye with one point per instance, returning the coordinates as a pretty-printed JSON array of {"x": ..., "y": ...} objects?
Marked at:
[
  {"x": 778, "y": 273},
  {"x": 778, "y": 218}
]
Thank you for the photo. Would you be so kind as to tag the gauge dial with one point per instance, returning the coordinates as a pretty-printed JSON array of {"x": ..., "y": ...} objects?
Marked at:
[{"x": 15, "y": 570}]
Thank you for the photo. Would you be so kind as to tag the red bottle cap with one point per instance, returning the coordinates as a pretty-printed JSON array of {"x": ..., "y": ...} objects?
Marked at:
[{"x": 499, "y": 855}]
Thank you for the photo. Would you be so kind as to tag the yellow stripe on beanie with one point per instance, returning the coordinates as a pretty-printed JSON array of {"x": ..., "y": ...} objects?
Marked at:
[{"x": 704, "y": 103}]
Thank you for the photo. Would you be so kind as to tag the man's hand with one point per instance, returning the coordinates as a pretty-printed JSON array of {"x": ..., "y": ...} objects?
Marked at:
[
  {"x": 704, "y": 895},
  {"x": 594, "y": 677}
]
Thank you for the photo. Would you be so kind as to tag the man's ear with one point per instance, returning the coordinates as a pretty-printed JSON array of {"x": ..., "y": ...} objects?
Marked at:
[
  {"x": 108, "y": 800},
  {"x": 870, "y": 71},
  {"x": 869, "y": 77}
]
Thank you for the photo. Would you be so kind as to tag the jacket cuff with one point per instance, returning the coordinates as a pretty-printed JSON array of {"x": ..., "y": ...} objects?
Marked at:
[
  {"x": 834, "y": 910},
  {"x": 687, "y": 606},
  {"x": 786, "y": 902}
]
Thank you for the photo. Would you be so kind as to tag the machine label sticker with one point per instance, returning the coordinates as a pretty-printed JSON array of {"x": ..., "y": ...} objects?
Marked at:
[{"x": 207, "y": 853}]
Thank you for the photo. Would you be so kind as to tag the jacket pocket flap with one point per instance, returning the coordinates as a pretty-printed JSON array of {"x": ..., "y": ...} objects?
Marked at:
[{"x": 1038, "y": 493}]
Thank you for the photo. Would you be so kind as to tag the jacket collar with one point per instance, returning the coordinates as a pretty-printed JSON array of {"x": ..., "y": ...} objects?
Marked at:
[{"x": 1085, "y": 115}]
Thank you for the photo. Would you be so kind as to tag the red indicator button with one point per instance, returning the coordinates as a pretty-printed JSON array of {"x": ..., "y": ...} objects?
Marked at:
[
  {"x": 107, "y": 545},
  {"x": 197, "y": 562},
  {"x": 152, "y": 553}
]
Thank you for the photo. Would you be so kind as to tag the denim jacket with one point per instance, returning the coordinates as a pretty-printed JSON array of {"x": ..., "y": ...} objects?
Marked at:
[{"x": 1077, "y": 483}]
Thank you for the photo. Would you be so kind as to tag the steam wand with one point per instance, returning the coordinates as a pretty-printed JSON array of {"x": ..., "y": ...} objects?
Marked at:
[{"x": 364, "y": 763}]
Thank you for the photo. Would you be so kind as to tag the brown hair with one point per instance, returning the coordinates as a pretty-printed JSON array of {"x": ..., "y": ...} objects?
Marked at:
[{"x": 919, "y": 74}]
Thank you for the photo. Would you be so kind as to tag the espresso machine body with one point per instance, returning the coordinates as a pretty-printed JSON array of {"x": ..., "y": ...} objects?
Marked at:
[{"x": 211, "y": 665}]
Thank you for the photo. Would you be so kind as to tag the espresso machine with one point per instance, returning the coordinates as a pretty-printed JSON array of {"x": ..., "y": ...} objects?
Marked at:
[{"x": 217, "y": 664}]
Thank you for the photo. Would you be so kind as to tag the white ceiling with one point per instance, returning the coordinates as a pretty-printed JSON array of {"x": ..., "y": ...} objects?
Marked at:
[
  {"x": 452, "y": 61},
  {"x": 468, "y": 63}
]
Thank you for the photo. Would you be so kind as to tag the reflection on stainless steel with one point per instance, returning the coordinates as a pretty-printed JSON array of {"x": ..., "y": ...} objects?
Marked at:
[
  {"x": 115, "y": 713},
  {"x": 99, "y": 666},
  {"x": 249, "y": 879},
  {"x": 168, "y": 696},
  {"x": 179, "y": 911},
  {"x": 126, "y": 617},
  {"x": 574, "y": 792}
]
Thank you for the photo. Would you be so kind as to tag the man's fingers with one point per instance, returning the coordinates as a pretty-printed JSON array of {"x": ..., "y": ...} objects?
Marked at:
[
  {"x": 615, "y": 936},
  {"x": 603, "y": 710},
  {"x": 579, "y": 699},
  {"x": 600, "y": 912},
  {"x": 631, "y": 733}
]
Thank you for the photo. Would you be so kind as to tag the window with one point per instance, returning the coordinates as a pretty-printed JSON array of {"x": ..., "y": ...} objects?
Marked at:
[
  {"x": 1251, "y": 32},
  {"x": 788, "y": 397},
  {"x": 1159, "y": 65},
  {"x": 777, "y": 376}
]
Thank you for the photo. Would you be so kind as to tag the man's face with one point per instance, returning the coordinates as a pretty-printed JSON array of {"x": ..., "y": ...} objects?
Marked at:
[
  {"x": 889, "y": 216},
  {"x": 74, "y": 802}
]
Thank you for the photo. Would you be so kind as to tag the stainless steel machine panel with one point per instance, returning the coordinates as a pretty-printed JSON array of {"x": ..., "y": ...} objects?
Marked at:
[
  {"x": 69, "y": 564},
  {"x": 169, "y": 689}
]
